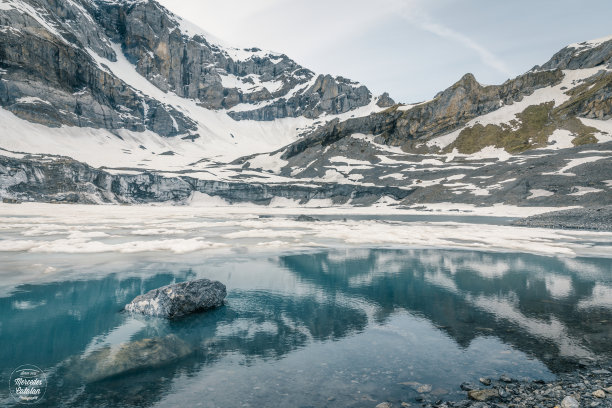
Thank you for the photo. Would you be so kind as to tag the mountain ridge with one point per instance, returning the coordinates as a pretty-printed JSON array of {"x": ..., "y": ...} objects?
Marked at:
[
  {"x": 156, "y": 106},
  {"x": 74, "y": 54}
]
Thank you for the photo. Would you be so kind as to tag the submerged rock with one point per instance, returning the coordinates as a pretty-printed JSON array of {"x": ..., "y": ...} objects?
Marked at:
[
  {"x": 418, "y": 387},
  {"x": 178, "y": 300},
  {"x": 466, "y": 386},
  {"x": 128, "y": 357},
  {"x": 483, "y": 395}
]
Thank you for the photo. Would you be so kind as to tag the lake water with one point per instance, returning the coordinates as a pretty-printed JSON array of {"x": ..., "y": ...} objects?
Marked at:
[{"x": 318, "y": 327}]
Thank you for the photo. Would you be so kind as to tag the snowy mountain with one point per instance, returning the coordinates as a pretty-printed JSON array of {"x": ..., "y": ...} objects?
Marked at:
[
  {"x": 131, "y": 70},
  {"x": 122, "y": 101}
]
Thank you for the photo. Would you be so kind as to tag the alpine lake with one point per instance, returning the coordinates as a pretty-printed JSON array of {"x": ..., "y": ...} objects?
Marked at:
[{"x": 319, "y": 327}]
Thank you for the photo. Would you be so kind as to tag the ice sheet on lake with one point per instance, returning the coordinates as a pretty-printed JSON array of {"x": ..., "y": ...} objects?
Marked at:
[{"x": 75, "y": 229}]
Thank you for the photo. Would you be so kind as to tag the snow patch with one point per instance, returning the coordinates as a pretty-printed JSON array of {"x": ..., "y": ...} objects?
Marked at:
[
  {"x": 586, "y": 45},
  {"x": 340, "y": 159},
  {"x": 396, "y": 176},
  {"x": 575, "y": 163},
  {"x": 31, "y": 99},
  {"x": 560, "y": 139},
  {"x": 585, "y": 190},
  {"x": 490, "y": 152},
  {"x": 269, "y": 162},
  {"x": 604, "y": 127},
  {"x": 536, "y": 193}
]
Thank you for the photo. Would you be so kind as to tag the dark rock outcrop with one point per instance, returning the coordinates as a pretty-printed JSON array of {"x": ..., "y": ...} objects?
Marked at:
[{"x": 179, "y": 300}]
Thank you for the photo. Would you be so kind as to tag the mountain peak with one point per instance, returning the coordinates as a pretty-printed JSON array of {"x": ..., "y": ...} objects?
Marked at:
[
  {"x": 468, "y": 80},
  {"x": 587, "y": 54}
]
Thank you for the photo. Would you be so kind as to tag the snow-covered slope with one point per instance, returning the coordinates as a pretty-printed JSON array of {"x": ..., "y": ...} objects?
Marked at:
[
  {"x": 136, "y": 99},
  {"x": 168, "y": 112}
]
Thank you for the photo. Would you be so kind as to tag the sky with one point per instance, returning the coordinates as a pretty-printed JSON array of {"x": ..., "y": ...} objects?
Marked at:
[{"x": 412, "y": 49}]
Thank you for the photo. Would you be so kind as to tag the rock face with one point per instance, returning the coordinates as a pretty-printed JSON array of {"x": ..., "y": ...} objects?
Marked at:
[
  {"x": 134, "y": 68},
  {"x": 587, "y": 54},
  {"x": 529, "y": 179},
  {"x": 52, "y": 66},
  {"x": 410, "y": 126},
  {"x": 48, "y": 74},
  {"x": 179, "y": 300},
  {"x": 326, "y": 95},
  {"x": 449, "y": 110},
  {"x": 68, "y": 181}
]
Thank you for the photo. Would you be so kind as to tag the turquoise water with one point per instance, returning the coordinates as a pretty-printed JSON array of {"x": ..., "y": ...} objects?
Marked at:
[{"x": 347, "y": 328}]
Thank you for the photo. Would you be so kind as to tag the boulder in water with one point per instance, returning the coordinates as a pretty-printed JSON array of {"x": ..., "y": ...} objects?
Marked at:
[{"x": 178, "y": 300}]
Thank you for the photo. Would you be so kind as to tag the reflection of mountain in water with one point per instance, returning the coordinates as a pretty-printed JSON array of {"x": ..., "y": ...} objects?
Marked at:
[
  {"x": 558, "y": 317},
  {"x": 46, "y": 323},
  {"x": 61, "y": 324}
]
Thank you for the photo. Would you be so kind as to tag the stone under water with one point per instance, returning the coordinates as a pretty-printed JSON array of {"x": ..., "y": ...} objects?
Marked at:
[{"x": 129, "y": 357}]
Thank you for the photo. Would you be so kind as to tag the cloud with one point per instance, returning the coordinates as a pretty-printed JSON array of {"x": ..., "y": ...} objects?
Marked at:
[
  {"x": 485, "y": 55},
  {"x": 413, "y": 13},
  {"x": 299, "y": 28}
]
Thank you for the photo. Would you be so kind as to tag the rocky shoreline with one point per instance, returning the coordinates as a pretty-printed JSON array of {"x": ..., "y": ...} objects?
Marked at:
[
  {"x": 594, "y": 218},
  {"x": 588, "y": 386}
]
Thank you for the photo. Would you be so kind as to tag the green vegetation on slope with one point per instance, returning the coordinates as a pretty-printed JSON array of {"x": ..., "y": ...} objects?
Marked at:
[{"x": 533, "y": 127}]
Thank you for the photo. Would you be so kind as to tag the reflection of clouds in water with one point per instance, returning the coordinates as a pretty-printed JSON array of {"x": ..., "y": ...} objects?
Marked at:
[
  {"x": 519, "y": 277},
  {"x": 389, "y": 262},
  {"x": 27, "y": 305},
  {"x": 441, "y": 280},
  {"x": 554, "y": 330},
  {"x": 486, "y": 266},
  {"x": 558, "y": 286},
  {"x": 380, "y": 264},
  {"x": 491, "y": 270},
  {"x": 601, "y": 297},
  {"x": 340, "y": 256},
  {"x": 279, "y": 305},
  {"x": 587, "y": 269}
]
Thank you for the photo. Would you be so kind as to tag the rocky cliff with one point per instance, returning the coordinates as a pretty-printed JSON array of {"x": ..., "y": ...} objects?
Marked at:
[
  {"x": 54, "y": 58},
  {"x": 124, "y": 102}
]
